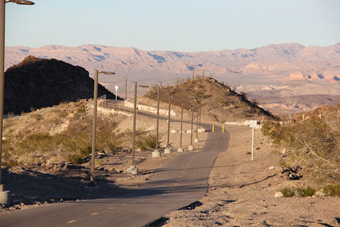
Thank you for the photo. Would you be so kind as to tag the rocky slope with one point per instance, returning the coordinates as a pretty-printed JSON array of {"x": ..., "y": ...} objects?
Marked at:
[{"x": 36, "y": 83}]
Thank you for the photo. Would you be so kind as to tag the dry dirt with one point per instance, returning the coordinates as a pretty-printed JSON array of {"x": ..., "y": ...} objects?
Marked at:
[{"x": 241, "y": 191}]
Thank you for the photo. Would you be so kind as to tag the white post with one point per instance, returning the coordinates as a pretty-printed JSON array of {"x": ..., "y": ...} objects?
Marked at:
[
  {"x": 252, "y": 143},
  {"x": 253, "y": 124},
  {"x": 116, "y": 87}
]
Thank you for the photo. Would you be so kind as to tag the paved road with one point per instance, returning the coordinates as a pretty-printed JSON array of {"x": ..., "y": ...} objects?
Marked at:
[{"x": 181, "y": 181}]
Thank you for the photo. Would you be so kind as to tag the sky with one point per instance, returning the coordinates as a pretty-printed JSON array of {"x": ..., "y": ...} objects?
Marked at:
[{"x": 176, "y": 25}]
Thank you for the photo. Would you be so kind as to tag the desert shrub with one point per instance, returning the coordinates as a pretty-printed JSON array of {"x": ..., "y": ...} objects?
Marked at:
[
  {"x": 222, "y": 102},
  {"x": 40, "y": 142},
  {"x": 314, "y": 135},
  {"x": 114, "y": 146},
  {"x": 100, "y": 162},
  {"x": 141, "y": 145},
  {"x": 75, "y": 159},
  {"x": 314, "y": 144},
  {"x": 332, "y": 190},
  {"x": 81, "y": 109},
  {"x": 287, "y": 192},
  {"x": 72, "y": 145},
  {"x": 301, "y": 192},
  {"x": 151, "y": 141},
  {"x": 279, "y": 134},
  {"x": 85, "y": 151},
  {"x": 10, "y": 114},
  {"x": 146, "y": 142},
  {"x": 243, "y": 95},
  {"x": 305, "y": 192},
  {"x": 37, "y": 116}
]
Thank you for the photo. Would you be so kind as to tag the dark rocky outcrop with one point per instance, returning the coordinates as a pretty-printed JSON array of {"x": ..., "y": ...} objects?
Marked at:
[{"x": 36, "y": 83}]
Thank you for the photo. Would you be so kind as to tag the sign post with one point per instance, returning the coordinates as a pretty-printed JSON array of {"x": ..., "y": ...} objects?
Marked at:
[{"x": 253, "y": 124}]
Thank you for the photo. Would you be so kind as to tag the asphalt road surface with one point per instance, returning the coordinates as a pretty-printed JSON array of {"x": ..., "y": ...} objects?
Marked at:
[{"x": 182, "y": 180}]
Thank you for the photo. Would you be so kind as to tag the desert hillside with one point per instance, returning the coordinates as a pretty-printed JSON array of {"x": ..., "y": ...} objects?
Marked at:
[
  {"x": 217, "y": 100},
  {"x": 35, "y": 83}
]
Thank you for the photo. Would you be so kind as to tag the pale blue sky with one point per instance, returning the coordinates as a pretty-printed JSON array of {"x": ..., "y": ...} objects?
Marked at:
[{"x": 176, "y": 25}]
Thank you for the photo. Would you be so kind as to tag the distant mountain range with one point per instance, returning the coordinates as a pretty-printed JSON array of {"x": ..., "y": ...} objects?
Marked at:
[
  {"x": 269, "y": 65},
  {"x": 261, "y": 59}
]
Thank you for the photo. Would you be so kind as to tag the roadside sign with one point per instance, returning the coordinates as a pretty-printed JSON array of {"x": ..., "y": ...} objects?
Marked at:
[{"x": 252, "y": 123}]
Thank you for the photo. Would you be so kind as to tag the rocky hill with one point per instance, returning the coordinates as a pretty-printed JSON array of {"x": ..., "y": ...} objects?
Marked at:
[
  {"x": 36, "y": 83},
  {"x": 217, "y": 100}
]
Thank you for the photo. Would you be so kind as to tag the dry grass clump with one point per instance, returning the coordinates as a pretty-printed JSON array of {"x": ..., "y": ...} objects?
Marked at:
[
  {"x": 300, "y": 192},
  {"x": 332, "y": 190},
  {"x": 58, "y": 134}
]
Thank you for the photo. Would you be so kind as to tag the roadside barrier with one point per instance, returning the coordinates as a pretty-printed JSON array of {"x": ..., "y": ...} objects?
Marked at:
[{"x": 116, "y": 107}]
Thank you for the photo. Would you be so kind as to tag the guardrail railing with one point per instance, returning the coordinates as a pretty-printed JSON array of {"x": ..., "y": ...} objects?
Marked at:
[{"x": 116, "y": 107}]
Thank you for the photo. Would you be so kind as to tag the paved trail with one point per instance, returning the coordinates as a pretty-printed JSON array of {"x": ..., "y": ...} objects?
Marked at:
[{"x": 181, "y": 181}]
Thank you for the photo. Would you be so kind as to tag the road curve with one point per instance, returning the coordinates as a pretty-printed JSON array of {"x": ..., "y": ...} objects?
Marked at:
[{"x": 181, "y": 181}]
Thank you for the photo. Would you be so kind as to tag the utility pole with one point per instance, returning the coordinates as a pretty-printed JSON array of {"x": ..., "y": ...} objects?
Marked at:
[
  {"x": 125, "y": 87},
  {"x": 196, "y": 139},
  {"x": 191, "y": 147},
  {"x": 156, "y": 152},
  {"x": 168, "y": 148},
  {"x": 95, "y": 97},
  {"x": 133, "y": 169},
  {"x": 180, "y": 149}
]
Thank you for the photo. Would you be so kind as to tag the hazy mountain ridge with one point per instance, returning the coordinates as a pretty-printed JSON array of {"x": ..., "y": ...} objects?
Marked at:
[{"x": 129, "y": 58}]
